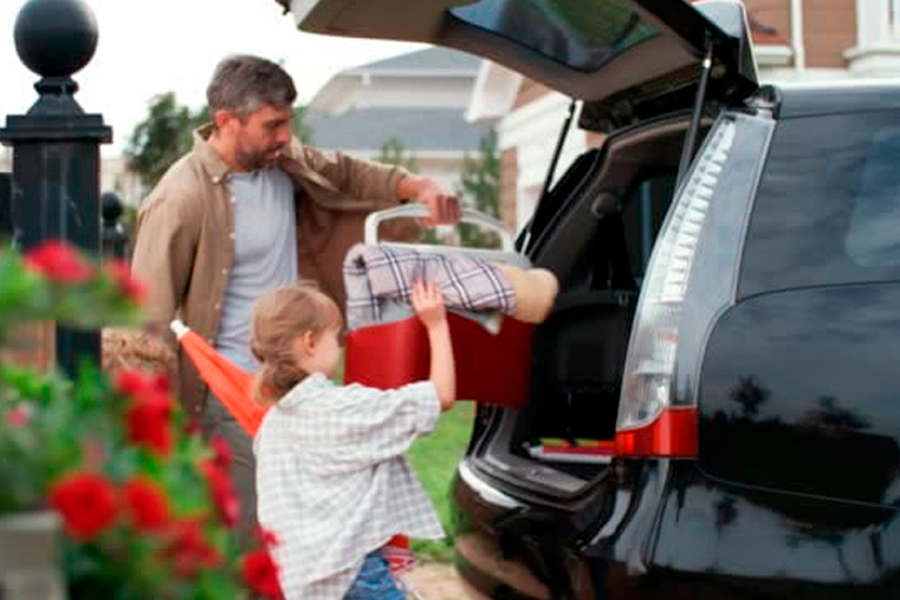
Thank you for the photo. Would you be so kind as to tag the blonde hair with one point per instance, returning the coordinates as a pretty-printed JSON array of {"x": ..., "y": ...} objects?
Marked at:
[
  {"x": 280, "y": 316},
  {"x": 123, "y": 348}
]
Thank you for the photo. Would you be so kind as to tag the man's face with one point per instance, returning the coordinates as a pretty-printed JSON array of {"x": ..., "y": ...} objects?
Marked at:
[{"x": 261, "y": 136}]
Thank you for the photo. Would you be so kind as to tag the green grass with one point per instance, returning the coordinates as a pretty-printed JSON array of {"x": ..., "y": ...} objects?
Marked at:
[{"x": 434, "y": 459}]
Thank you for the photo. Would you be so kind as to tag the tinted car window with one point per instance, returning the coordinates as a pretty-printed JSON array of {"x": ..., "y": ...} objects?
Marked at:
[
  {"x": 642, "y": 216},
  {"x": 827, "y": 210},
  {"x": 872, "y": 239},
  {"x": 582, "y": 35}
]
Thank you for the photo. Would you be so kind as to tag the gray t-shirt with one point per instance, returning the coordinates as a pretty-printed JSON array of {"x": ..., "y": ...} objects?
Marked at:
[{"x": 265, "y": 254}]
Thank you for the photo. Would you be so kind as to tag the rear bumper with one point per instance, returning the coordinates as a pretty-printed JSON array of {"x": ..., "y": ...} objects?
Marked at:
[
  {"x": 480, "y": 559},
  {"x": 507, "y": 548}
]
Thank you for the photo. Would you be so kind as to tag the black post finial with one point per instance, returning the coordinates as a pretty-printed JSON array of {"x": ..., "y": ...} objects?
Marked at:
[{"x": 55, "y": 39}]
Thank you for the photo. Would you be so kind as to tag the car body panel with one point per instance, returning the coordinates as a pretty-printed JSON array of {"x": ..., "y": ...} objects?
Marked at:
[
  {"x": 828, "y": 426},
  {"x": 617, "y": 53},
  {"x": 720, "y": 540},
  {"x": 796, "y": 490}
]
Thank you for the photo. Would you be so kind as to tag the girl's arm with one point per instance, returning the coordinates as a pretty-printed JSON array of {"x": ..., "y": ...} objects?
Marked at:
[{"x": 429, "y": 305}]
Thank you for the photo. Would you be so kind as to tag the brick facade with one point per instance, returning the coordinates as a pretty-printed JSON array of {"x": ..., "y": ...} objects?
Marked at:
[
  {"x": 594, "y": 139},
  {"x": 770, "y": 20},
  {"x": 509, "y": 174},
  {"x": 529, "y": 91},
  {"x": 829, "y": 28}
]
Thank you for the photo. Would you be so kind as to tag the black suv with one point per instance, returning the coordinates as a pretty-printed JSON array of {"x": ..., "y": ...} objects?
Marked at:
[{"x": 728, "y": 326}]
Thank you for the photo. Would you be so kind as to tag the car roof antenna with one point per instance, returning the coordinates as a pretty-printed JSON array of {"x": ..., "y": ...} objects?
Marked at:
[{"x": 687, "y": 151}]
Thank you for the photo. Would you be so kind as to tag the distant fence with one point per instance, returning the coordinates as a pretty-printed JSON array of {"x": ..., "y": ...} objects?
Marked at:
[{"x": 6, "y": 227}]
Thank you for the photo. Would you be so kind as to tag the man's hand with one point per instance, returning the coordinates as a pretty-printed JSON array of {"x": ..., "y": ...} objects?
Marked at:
[{"x": 443, "y": 205}]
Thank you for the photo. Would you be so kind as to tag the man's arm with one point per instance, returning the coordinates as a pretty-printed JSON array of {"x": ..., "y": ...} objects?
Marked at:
[
  {"x": 385, "y": 184},
  {"x": 165, "y": 244},
  {"x": 443, "y": 204}
]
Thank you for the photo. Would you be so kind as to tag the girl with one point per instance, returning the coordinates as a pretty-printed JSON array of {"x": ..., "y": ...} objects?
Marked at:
[{"x": 332, "y": 479}]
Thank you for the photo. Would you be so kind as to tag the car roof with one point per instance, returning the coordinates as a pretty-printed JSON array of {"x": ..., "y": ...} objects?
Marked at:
[{"x": 830, "y": 97}]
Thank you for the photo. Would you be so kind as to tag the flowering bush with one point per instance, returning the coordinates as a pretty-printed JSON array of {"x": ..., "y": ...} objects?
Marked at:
[{"x": 146, "y": 505}]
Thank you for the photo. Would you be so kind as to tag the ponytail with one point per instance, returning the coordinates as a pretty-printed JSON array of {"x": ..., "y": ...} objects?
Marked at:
[{"x": 274, "y": 380}]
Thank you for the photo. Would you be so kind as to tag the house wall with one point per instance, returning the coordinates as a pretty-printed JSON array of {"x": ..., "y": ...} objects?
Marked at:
[
  {"x": 443, "y": 166},
  {"x": 532, "y": 130},
  {"x": 771, "y": 14},
  {"x": 829, "y": 29},
  {"x": 529, "y": 91},
  {"x": 509, "y": 174}
]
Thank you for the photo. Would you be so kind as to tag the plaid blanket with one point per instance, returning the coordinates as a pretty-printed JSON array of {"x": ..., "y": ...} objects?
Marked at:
[{"x": 379, "y": 280}]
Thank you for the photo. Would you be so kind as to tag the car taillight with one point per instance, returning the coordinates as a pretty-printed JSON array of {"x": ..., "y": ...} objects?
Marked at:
[{"x": 651, "y": 422}]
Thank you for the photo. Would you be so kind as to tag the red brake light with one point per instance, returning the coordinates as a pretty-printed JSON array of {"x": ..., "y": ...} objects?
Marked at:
[{"x": 672, "y": 434}]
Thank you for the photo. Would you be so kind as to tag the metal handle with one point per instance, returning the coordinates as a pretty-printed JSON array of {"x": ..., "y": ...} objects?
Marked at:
[{"x": 419, "y": 211}]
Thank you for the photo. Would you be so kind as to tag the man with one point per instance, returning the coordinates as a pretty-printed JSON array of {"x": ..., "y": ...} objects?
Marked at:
[{"x": 248, "y": 209}]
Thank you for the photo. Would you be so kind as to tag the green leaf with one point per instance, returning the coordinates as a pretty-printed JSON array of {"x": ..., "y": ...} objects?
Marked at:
[{"x": 217, "y": 585}]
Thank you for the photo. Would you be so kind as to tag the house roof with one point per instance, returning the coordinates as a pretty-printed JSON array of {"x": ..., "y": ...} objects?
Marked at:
[
  {"x": 343, "y": 90},
  {"x": 420, "y": 129},
  {"x": 429, "y": 60},
  {"x": 764, "y": 34}
]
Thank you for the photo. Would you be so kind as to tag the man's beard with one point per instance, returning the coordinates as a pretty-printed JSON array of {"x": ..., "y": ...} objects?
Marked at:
[{"x": 255, "y": 161}]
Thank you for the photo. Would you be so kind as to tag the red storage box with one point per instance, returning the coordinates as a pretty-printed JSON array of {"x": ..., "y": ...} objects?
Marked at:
[{"x": 490, "y": 368}]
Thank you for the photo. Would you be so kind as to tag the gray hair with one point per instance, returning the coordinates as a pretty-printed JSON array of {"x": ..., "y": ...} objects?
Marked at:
[{"x": 243, "y": 84}]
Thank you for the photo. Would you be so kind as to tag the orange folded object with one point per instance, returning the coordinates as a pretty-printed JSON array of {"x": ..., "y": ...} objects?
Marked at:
[{"x": 231, "y": 385}]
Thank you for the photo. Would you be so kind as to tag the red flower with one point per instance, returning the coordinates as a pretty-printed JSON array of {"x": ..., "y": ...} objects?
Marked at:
[
  {"x": 135, "y": 384},
  {"x": 261, "y": 574},
  {"x": 266, "y": 537},
  {"x": 222, "y": 492},
  {"x": 87, "y": 503},
  {"x": 132, "y": 288},
  {"x": 19, "y": 416},
  {"x": 189, "y": 551},
  {"x": 59, "y": 262},
  {"x": 148, "y": 421},
  {"x": 222, "y": 458},
  {"x": 146, "y": 505}
]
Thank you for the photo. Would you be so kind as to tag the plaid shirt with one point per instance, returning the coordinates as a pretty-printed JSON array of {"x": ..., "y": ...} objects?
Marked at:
[
  {"x": 333, "y": 482},
  {"x": 375, "y": 274}
]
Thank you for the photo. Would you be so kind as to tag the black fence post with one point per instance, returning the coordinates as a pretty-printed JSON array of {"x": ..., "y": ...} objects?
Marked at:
[
  {"x": 113, "y": 234},
  {"x": 56, "y": 147}
]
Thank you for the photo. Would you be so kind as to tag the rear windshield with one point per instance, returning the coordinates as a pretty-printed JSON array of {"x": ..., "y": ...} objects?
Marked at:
[
  {"x": 828, "y": 207},
  {"x": 582, "y": 35}
]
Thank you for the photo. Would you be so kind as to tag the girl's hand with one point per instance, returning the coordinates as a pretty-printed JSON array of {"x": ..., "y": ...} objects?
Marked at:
[{"x": 428, "y": 303}]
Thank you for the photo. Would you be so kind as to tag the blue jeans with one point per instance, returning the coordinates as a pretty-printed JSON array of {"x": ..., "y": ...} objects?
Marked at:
[{"x": 374, "y": 581}]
